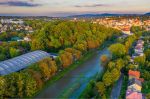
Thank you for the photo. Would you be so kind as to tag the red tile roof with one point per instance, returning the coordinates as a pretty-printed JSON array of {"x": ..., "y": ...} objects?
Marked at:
[
  {"x": 134, "y": 73},
  {"x": 133, "y": 95}
]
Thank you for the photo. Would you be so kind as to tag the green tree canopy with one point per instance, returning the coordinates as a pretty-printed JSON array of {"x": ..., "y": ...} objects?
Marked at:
[{"x": 117, "y": 50}]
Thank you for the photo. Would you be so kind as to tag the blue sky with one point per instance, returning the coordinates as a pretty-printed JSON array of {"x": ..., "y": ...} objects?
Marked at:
[{"x": 71, "y": 7}]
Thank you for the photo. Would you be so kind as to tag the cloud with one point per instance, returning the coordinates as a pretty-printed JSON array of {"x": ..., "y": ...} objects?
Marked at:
[
  {"x": 19, "y": 4},
  {"x": 91, "y": 5}
]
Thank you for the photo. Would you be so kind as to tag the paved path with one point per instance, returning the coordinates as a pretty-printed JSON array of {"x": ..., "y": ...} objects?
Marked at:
[{"x": 117, "y": 88}]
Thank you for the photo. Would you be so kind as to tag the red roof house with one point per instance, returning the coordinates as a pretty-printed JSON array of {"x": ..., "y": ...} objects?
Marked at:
[
  {"x": 135, "y": 74},
  {"x": 133, "y": 95}
]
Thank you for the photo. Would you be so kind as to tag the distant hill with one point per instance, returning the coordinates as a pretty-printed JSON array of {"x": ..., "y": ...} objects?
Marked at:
[
  {"x": 100, "y": 15},
  {"x": 148, "y": 14}
]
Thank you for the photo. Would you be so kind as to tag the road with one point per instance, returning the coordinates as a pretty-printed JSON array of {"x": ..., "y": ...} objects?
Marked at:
[{"x": 117, "y": 88}]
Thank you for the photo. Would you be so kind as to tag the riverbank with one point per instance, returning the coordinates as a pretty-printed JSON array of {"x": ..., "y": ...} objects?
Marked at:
[
  {"x": 60, "y": 74},
  {"x": 70, "y": 69}
]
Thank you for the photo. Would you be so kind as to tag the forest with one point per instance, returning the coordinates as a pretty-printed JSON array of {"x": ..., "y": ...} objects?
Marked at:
[{"x": 71, "y": 40}]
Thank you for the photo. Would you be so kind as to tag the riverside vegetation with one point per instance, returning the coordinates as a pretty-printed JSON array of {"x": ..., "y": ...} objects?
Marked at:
[{"x": 71, "y": 40}]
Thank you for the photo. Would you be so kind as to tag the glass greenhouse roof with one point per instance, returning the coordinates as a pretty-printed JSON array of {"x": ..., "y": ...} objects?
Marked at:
[{"x": 21, "y": 62}]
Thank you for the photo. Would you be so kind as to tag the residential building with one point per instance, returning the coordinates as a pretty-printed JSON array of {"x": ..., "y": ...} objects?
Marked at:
[
  {"x": 134, "y": 74},
  {"x": 135, "y": 85},
  {"x": 133, "y": 95}
]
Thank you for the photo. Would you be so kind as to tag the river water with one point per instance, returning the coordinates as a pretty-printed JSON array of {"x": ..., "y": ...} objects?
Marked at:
[{"x": 74, "y": 82}]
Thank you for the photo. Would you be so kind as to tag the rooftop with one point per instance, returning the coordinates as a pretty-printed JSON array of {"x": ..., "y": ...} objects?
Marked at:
[
  {"x": 134, "y": 73},
  {"x": 21, "y": 62},
  {"x": 134, "y": 81}
]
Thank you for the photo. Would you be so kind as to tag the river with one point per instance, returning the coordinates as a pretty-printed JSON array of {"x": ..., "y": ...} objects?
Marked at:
[{"x": 74, "y": 82}]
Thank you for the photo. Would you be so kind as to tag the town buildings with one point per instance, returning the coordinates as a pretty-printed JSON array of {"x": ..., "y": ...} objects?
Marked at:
[
  {"x": 123, "y": 24},
  {"x": 135, "y": 82}
]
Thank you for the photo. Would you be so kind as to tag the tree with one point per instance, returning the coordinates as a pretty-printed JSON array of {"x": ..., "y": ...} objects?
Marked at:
[
  {"x": 66, "y": 59},
  {"x": 2, "y": 87},
  {"x": 140, "y": 60},
  {"x": 147, "y": 54},
  {"x": 30, "y": 87},
  {"x": 146, "y": 75},
  {"x": 129, "y": 42},
  {"x": 104, "y": 97},
  {"x": 48, "y": 68},
  {"x": 20, "y": 85},
  {"x": 101, "y": 88},
  {"x": 21, "y": 35},
  {"x": 14, "y": 52},
  {"x": 45, "y": 70},
  {"x": 104, "y": 60},
  {"x": 135, "y": 29},
  {"x": 53, "y": 67},
  {"x": 131, "y": 67},
  {"x": 119, "y": 64},
  {"x": 55, "y": 42},
  {"x": 63, "y": 34},
  {"x": 148, "y": 96},
  {"x": 37, "y": 76},
  {"x": 116, "y": 74},
  {"x": 2, "y": 57},
  {"x": 111, "y": 65},
  {"x": 11, "y": 89},
  {"x": 107, "y": 78},
  {"x": 3, "y": 36},
  {"x": 117, "y": 50}
]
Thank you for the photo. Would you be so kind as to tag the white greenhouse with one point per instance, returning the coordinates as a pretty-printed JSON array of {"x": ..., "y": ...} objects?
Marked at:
[{"x": 21, "y": 62}]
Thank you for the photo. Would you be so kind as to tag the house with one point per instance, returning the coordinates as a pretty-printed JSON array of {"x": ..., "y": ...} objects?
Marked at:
[
  {"x": 133, "y": 74},
  {"x": 133, "y": 95},
  {"x": 138, "y": 50},
  {"x": 126, "y": 31},
  {"x": 140, "y": 42},
  {"x": 135, "y": 85},
  {"x": 27, "y": 39},
  {"x": 139, "y": 46},
  {"x": 137, "y": 55}
]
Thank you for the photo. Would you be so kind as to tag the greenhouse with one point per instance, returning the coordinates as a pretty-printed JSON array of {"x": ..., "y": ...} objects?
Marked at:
[{"x": 21, "y": 62}]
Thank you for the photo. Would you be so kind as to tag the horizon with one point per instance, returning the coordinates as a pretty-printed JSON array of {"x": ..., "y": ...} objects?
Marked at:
[
  {"x": 63, "y": 8},
  {"x": 26, "y": 15}
]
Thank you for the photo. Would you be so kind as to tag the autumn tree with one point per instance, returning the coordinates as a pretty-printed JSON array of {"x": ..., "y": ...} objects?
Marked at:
[
  {"x": 107, "y": 78},
  {"x": 120, "y": 64},
  {"x": 2, "y": 87},
  {"x": 66, "y": 59},
  {"x": 104, "y": 60},
  {"x": 30, "y": 87},
  {"x": 45, "y": 70},
  {"x": 116, "y": 74},
  {"x": 117, "y": 50},
  {"x": 20, "y": 85},
  {"x": 111, "y": 65},
  {"x": 101, "y": 88},
  {"x": 140, "y": 60},
  {"x": 48, "y": 67}
]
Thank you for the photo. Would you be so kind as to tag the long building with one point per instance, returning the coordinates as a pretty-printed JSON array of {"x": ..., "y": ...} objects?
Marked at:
[{"x": 21, "y": 62}]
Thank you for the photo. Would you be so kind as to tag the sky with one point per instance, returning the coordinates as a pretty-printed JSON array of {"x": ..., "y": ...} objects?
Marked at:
[{"x": 71, "y": 7}]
